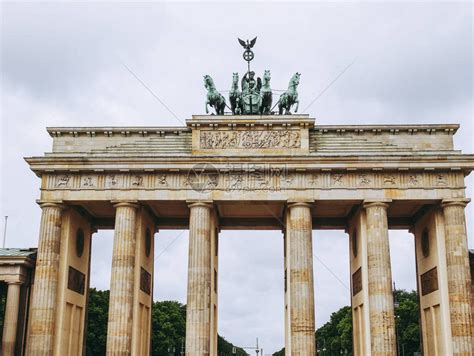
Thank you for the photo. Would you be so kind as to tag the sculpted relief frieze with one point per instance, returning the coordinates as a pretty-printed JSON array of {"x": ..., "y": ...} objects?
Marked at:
[
  {"x": 251, "y": 178},
  {"x": 258, "y": 139}
]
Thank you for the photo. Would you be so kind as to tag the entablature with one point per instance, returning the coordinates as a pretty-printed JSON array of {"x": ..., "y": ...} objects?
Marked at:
[{"x": 293, "y": 143}]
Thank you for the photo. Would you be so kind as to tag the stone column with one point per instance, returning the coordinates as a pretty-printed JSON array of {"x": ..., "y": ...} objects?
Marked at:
[
  {"x": 43, "y": 301},
  {"x": 300, "y": 279},
  {"x": 198, "y": 331},
  {"x": 458, "y": 274},
  {"x": 11, "y": 319},
  {"x": 382, "y": 317},
  {"x": 119, "y": 329}
]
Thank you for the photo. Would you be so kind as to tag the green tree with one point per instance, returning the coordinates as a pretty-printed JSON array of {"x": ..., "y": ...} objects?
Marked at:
[
  {"x": 96, "y": 337},
  {"x": 407, "y": 322},
  {"x": 280, "y": 353},
  {"x": 336, "y": 334},
  {"x": 168, "y": 322},
  {"x": 225, "y": 348}
]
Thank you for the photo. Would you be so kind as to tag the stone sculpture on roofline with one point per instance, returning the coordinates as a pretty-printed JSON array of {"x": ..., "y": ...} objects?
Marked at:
[{"x": 254, "y": 97}]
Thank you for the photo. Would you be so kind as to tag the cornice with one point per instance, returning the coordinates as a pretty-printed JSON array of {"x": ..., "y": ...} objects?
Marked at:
[
  {"x": 209, "y": 121},
  {"x": 451, "y": 161}
]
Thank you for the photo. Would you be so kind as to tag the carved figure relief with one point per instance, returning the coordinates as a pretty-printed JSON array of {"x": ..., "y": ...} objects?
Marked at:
[
  {"x": 413, "y": 179},
  {"x": 314, "y": 179},
  {"x": 364, "y": 179},
  {"x": 63, "y": 181},
  {"x": 248, "y": 177},
  {"x": 250, "y": 139},
  {"x": 88, "y": 182},
  {"x": 236, "y": 181},
  {"x": 441, "y": 180},
  {"x": 111, "y": 181},
  {"x": 336, "y": 179},
  {"x": 162, "y": 179},
  {"x": 137, "y": 181},
  {"x": 389, "y": 179}
]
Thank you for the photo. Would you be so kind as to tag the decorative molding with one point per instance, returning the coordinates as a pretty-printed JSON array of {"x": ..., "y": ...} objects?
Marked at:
[{"x": 252, "y": 177}]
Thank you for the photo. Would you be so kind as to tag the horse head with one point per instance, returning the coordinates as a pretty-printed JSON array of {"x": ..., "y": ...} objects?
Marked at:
[
  {"x": 294, "y": 81},
  {"x": 267, "y": 76},
  {"x": 208, "y": 82}
]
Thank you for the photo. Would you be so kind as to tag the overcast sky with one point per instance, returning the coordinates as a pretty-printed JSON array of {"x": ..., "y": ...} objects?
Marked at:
[{"x": 64, "y": 65}]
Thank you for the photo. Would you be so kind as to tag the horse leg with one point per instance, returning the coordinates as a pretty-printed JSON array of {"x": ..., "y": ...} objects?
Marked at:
[
  {"x": 288, "y": 107},
  {"x": 297, "y": 102},
  {"x": 207, "y": 109},
  {"x": 263, "y": 105}
]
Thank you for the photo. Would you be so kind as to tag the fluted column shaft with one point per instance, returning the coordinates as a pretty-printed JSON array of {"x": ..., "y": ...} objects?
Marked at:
[
  {"x": 198, "y": 333},
  {"x": 43, "y": 302},
  {"x": 382, "y": 318},
  {"x": 11, "y": 319},
  {"x": 301, "y": 287},
  {"x": 459, "y": 278},
  {"x": 119, "y": 329}
]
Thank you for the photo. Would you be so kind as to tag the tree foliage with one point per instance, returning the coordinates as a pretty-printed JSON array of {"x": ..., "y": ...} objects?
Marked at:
[
  {"x": 168, "y": 322},
  {"x": 96, "y": 337},
  {"x": 280, "y": 353},
  {"x": 225, "y": 348},
  {"x": 407, "y": 322},
  {"x": 336, "y": 335}
]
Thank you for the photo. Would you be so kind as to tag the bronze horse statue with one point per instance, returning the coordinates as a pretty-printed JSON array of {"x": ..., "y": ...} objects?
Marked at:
[
  {"x": 235, "y": 95},
  {"x": 266, "y": 93},
  {"x": 214, "y": 98},
  {"x": 290, "y": 97}
]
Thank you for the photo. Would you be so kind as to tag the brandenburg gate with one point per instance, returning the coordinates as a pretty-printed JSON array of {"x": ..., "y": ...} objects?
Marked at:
[
  {"x": 254, "y": 169},
  {"x": 277, "y": 172}
]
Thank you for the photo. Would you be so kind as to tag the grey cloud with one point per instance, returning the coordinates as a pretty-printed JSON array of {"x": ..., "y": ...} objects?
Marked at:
[{"x": 55, "y": 50}]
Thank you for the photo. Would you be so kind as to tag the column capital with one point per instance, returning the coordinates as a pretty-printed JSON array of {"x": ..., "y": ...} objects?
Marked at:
[
  {"x": 14, "y": 281},
  {"x": 51, "y": 204},
  {"x": 300, "y": 202},
  {"x": 125, "y": 203},
  {"x": 204, "y": 203},
  {"x": 455, "y": 202},
  {"x": 369, "y": 203}
]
